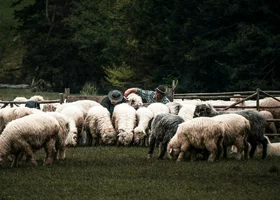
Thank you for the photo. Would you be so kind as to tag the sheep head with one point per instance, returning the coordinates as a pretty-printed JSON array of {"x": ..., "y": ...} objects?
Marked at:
[
  {"x": 134, "y": 100},
  {"x": 109, "y": 137},
  {"x": 125, "y": 137},
  {"x": 139, "y": 134},
  {"x": 202, "y": 110}
]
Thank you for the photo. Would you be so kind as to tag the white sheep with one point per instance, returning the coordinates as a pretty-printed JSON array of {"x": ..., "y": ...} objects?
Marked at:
[
  {"x": 141, "y": 131},
  {"x": 71, "y": 132},
  {"x": 98, "y": 124},
  {"x": 8, "y": 114},
  {"x": 236, "y": 132},
  {"x": 29, "y": 134},
  {"x": 158, "y": 108},
  {"x": 257, "y": 124},
  {"x": 37, "y": 98},
  {"x": 134, "y": 100},
  {"x": 200, "y": 133},
  {"x": 124, "y": 121},
  {"x": 75, "y": 112},
  {"x": 273, "y": 149},
  {"x": 186, "y": 111}
]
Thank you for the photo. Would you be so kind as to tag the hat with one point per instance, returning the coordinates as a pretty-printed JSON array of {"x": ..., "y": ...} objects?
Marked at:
[
  {"x": 115, "y": 95},
  {"x": 160, "y": 89}
]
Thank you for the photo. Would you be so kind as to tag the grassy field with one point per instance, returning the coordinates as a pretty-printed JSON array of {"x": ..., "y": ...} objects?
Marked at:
[
  {"x": 125, "y": 173},
  {"x": 8, "y": 94}
]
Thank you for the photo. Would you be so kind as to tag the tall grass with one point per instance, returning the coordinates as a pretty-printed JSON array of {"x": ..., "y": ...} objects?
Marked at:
[{"x": 125, "y": 173}]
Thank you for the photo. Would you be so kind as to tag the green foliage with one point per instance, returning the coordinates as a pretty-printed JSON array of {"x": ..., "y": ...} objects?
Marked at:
[
  {"x": 89, "y": 89},
  {"x": 114, "y": 173},
  {"x": 119, "y": 76},
  {"x": 208, "y": 46}
]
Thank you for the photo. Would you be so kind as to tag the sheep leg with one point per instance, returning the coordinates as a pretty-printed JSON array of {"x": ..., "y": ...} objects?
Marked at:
[
  {"x": 152, "y": 146},
  {"x": 246, "y": 150},
  {"x": 212, "y": 148},
  {"x": 264, "y": 143},
  {"x": 253, "y": 148},
  {"x": 15, "y": 160},
  {"x": 50, "y": 152},
  {"x": 184, "y": 148},
  {"x": 163, "y": 149},
  {"x": 30, "y": 154}
]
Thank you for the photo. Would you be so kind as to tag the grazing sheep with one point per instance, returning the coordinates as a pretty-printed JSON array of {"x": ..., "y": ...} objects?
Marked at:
[
  {"x": 134, "y": 100},
  {"x": 236, "y": 133},
  {"x": 98, "y": 124},
  {"x": 257, "y": 124},
  {"x": 174, "y": 107},
  {"x": 141, "y": 131},
  {"x": 29, "y": 134},
  {"x": 75, "y": 113},
  {"x": 124, "y": 121},
  {"x": 158, "y": 108},
  {"x": 68, "y": 127},
  {"x": 198, "y": 133},
  {"x": 163, "y": 128}
]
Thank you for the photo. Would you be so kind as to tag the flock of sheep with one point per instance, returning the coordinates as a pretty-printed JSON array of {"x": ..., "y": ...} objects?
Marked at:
[{"x": 183, "y": 129}]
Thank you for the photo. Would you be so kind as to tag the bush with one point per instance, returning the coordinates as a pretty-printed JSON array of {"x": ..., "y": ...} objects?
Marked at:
[{"x": 89, "y": 89}]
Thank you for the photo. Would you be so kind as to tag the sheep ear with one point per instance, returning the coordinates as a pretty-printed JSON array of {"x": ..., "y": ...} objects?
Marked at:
[
  {"x": 145, "y": 133},
  {"x": 171, "y": 150}
]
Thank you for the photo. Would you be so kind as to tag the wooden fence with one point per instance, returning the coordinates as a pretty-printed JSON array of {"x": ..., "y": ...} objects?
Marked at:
[{"x": 244, "y": 96}]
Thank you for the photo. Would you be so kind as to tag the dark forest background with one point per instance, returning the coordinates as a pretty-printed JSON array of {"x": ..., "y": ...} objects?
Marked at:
[{"x": 207, "y": 45}]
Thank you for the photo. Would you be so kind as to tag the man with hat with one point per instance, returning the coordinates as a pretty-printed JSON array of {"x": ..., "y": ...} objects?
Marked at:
[
  {"x": 149, "y": 96},
  {"x": 114, "y": 97}
]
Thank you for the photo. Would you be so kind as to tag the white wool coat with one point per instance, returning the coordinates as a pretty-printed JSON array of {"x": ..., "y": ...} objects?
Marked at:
[
  {"x": 124, "y": 121},
  {"x": 99, "y": 125}
]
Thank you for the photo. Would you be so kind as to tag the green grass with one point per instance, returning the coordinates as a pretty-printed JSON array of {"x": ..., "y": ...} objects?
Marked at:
[
  {"x": 8, "y": 94},
  {"x": 125, "y": 173}
]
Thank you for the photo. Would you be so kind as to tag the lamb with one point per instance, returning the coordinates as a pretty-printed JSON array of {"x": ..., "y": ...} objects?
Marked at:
[
  {"x": 134, "y": 100},
  {"x": 98, "y": 124},
  {"x": 236, "y": 133},
  {"x": 124, "y": 121},
  {"x": 273, "y": 149},
  {"x": 24, "y": 135},
  {"x": 199, "y": 133},
  {"x": 158, "y": 108},
  {"x": 141, "y": 132},
  {"x": 257, "y": 124},
  {"x": 163, "y": 128}
]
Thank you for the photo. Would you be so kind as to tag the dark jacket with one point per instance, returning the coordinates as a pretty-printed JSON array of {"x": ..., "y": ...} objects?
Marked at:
[{"x": 110, "y": 107}]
